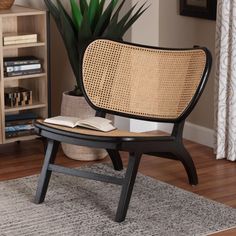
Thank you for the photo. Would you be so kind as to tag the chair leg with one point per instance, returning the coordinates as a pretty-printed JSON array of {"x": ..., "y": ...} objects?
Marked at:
[
  {"x": 127, "y": 187},
  {"x": 45, "y": 175},
  {"x": 183, "y": 155},
  {"x": 116, "y": 159}
]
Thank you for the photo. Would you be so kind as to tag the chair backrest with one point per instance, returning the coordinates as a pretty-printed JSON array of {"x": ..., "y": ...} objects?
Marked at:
[{"x": 143, "y": 82}]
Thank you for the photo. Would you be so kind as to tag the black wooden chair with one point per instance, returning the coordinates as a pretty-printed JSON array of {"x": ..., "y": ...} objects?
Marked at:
[{"x": 139, "y": 82}]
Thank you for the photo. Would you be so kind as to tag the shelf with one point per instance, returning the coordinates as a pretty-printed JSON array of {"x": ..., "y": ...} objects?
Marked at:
[
  {"x": 20, "y": 20},
  {"x": 35, "y": 105},
  {"x": 25, "y": 45},
  {"x": 17, "y": 10},
  {"x": 24, "y": 77},
  {"x": 21, "y": 138}
]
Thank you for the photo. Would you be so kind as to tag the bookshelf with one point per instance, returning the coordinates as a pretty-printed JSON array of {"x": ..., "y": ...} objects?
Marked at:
[{"x": 20, "y": 20}]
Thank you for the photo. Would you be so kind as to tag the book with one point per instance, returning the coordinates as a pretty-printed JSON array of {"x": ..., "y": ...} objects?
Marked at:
[
  {"x": 21, "y": 116},
  {"x": 22, "y": 41},
  {"x": 23, "y": 72},
  {"x": 22, "y": 67},
  {"x": 21, "y": 133},
  {"x": 17, "y": 128},
  {"x": 18, "y": 36},
  {"x": 19, "y": 122},
  {"x": 95, "y": 123},
  {"x": 24, "y": 60}
]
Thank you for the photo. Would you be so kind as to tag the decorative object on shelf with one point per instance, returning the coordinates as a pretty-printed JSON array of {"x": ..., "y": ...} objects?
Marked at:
[
  {"x": 19, "y": 38},
  {"x": 199, "y": 8},
  {"x": 6, "y": 4},
  {"x": 17, "y": 96},
  {"x": 89, "y": 20}
]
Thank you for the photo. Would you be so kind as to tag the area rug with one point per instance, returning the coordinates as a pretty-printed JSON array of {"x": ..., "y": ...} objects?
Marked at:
[{"x": 75, "y": 206}]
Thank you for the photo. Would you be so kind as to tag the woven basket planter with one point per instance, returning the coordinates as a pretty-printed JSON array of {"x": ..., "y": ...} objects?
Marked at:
[
  {"x": 78, "y": 107},
  {"x": 6, "y": 4}
]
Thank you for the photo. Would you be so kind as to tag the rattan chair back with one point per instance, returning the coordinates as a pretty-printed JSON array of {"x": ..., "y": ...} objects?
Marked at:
[{"x": 142, "y": 82}]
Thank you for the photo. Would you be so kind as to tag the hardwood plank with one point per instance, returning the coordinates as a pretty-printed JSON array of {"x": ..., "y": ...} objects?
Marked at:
[{"x": 217, "y": 178}]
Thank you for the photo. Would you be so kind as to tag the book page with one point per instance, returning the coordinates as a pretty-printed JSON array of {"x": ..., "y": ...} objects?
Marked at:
[
  {"x": 97, "y": 123},
  {"x": 63, "y": 120}
]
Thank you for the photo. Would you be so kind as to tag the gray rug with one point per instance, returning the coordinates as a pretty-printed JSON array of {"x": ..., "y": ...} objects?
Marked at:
[{"x": 75, "y": 206}]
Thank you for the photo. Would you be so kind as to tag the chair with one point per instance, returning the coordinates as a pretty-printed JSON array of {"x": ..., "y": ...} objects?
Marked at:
[{"x": 135, "y": 81}]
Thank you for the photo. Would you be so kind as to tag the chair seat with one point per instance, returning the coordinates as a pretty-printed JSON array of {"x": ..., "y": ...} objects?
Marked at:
[
  {"x": 89, "y": 132},
  {"x": 124, "y": 140}
]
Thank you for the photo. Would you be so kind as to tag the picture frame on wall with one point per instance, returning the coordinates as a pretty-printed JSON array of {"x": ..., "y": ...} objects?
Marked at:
[{"x": 199, "y": 8}]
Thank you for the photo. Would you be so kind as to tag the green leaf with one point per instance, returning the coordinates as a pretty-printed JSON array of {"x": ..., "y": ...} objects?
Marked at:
[
  {"x": 114, "y": 2},
  {"x": 60, "y": 6},
  {"x": 70, "y": 40},
  {"x": 117, "y": 30},
  {"x": 98, "y": 13},
  {"x": 104, "y": 20},
  {"x": 85, "y": 33},
  {"x": 115, "y": 17},
  {"x": 101, "y": 7},
  {"x": 92, "y": 9},
  {"x": 126, "y": 17},
  {"x": 134, "y": 18},
  {"x": 111, "y": 30},
  {"x": 83, "y": 6},
  {"x": 76, "y": 14}
]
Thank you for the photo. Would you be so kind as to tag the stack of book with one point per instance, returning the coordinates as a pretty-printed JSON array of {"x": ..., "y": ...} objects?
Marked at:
[
  {"x": 20, "y": 125},
  {"x": 19, "y": 38},
  {"x": 18, "y": 66}
]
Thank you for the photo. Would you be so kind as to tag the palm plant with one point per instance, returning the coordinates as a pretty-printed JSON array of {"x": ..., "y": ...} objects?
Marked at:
[{"x": 87, "y": 21}]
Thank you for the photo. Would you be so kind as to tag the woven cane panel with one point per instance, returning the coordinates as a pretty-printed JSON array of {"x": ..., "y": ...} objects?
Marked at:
[{"x": 140, "y": 81}]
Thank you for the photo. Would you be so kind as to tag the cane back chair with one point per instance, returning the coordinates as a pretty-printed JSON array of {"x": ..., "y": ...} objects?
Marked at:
[{"x": 139, "y": 82}]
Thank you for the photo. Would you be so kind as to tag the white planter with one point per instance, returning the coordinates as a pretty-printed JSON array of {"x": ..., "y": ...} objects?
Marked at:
[{"x": 78, "y": 107}]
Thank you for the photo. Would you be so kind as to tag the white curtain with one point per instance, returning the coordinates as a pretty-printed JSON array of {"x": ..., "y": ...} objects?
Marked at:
[{"x": 226, "y": 80}]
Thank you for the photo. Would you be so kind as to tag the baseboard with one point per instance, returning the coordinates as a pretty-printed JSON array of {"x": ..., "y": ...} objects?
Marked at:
[{"x": 195, "y": 133}]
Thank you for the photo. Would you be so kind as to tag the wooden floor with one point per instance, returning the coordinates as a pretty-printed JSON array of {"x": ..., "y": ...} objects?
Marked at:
[{"x": 217, "y": 179}]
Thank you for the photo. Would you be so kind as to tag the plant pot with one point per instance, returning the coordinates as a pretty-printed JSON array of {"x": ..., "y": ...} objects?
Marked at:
[
  {"x": 6, "y": 4},
  {"x": 78, "y": 107}
]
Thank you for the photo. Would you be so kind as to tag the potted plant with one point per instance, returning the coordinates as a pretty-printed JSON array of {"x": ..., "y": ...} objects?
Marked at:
[{"x": 88, "y": 20}]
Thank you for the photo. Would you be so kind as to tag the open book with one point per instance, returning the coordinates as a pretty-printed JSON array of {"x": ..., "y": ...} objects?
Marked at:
[{"x": 96, "y": 123}]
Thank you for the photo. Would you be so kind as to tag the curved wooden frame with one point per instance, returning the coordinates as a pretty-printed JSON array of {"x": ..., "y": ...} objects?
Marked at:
[{"x": 161, "y": 146}]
